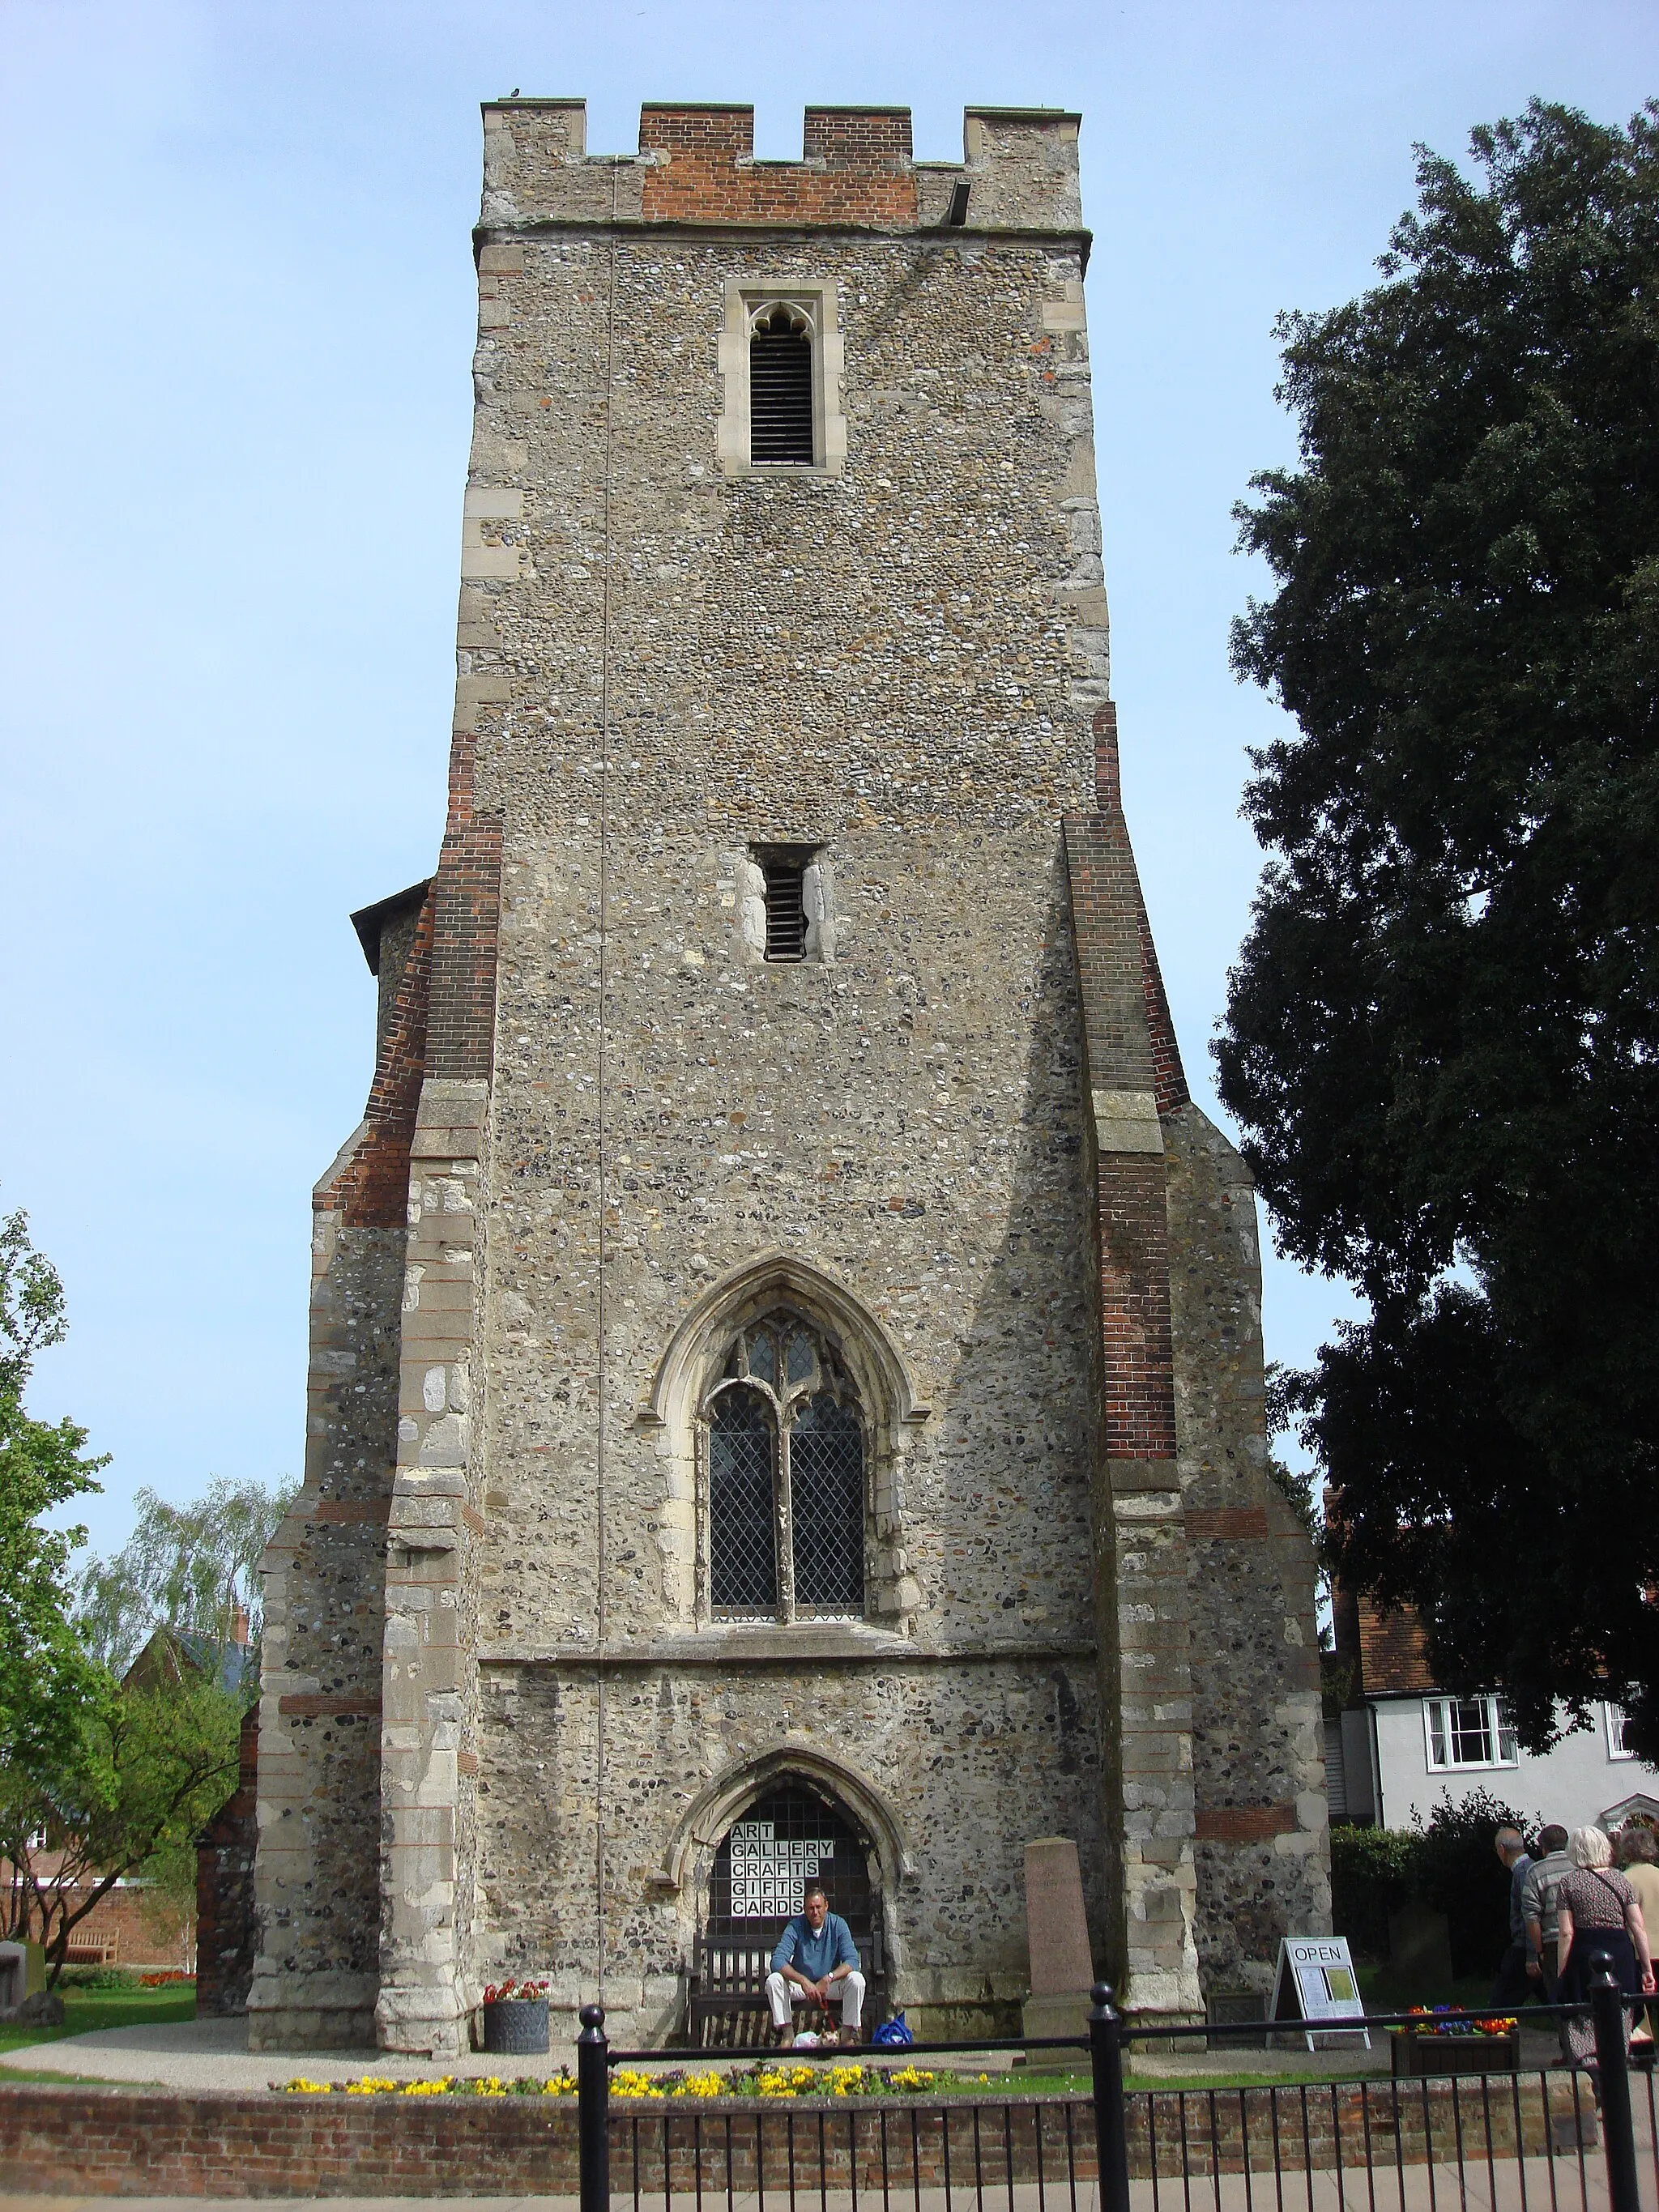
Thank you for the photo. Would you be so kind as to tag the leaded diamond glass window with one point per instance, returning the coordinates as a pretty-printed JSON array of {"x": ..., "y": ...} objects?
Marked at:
[
  {"x": 742, "y": 1566},
  {"x": 786, "y": 1476},
  {"x": 826, "y": 1468}
]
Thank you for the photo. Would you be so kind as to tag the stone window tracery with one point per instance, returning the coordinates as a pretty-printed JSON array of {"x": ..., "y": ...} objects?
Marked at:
[{"x": 785, "y": 1461}]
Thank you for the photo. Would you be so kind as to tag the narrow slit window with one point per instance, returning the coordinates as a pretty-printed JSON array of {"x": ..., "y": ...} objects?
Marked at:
[
  {"x": 781, "y": 394},
  {"x": 786, "y": 905}
]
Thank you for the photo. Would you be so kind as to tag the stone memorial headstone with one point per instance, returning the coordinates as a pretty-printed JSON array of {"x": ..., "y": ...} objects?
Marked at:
[
  {"x": 1420, "y": 1951},
  {"x": 22, "y": 1976},
  {"x": 1057, "y": 1932}
]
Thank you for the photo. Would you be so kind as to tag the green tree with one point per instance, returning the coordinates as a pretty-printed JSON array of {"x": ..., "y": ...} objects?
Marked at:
[
  {"x": 193, "y": 1568},
  {"x": 44, "y": 1675},
  {"x": 1442, "y": 1038},
  {"x": 148, "y": 1768},
  {"x": 98, "y": 1781},
  {"x": 30, "y": 1301}
]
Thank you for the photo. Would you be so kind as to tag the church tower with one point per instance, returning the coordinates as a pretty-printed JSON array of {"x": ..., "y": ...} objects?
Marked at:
[{"x": 786, "y": 1387}]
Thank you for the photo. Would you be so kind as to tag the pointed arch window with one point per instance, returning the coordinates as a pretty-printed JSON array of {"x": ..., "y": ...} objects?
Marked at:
[{"x": 787, "y": 1509}]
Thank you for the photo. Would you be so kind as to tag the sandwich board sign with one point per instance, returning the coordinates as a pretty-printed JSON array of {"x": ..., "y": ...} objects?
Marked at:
[{"x": 1316, "y": 1985}]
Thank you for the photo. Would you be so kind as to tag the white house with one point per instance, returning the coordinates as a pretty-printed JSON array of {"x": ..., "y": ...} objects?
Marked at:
[{"x": 1400, "y": 1745}]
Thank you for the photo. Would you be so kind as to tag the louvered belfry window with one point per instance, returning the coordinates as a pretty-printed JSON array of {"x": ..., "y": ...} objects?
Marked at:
[
  {"x": 786, "y": 905},
  {"x": 785, "y": 1478},
  {"x": 781, "y": 433}
]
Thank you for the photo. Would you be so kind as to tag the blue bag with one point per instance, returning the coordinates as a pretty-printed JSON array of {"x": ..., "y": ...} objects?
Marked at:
[{"x": 893, "y": 2035}]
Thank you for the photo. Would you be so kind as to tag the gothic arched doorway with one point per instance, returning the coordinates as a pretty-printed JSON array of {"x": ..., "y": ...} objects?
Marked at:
[{"x": 789, "y": 1838}]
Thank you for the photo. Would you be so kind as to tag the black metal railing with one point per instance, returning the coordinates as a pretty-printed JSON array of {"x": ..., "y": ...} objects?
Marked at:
[{"x": 1510, "y": 2141}]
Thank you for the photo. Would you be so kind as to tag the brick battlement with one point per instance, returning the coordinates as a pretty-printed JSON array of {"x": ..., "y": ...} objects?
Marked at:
[
  {"x": 857, "y": 168},
  {"x": 697, "y": 163}
]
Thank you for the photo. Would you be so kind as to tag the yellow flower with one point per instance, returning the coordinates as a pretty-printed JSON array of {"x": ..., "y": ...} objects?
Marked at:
[
  {"x": 629, "y": 2081},
  {"x": 427, "y": 2088},
  {"x": 700, "y": 2085},
  {"x": 562, "y": 2085},
  {"x": 370, "y": 2085},
  {"x": 301, "y": 2087}
]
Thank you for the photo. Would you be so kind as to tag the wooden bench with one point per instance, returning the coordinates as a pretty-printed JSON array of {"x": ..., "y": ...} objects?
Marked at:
[
  {"x": 726, "y": 2005},
  {"x": 93, "y": 1951}
]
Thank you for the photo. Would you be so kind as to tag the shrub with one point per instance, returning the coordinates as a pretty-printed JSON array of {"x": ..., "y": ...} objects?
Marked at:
[
  {"x": 1373, "y": 1872},
  {"x": 103, "y": 1981},
  {"x": 1457, "y": 1874},
  {"x": 1449, "y": 1866}
]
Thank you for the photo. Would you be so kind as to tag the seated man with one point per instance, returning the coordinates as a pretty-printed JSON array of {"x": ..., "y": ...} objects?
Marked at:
[{"x": 815, "y": 1952}]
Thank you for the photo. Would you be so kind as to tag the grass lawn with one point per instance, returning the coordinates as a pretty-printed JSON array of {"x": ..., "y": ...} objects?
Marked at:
[{"x": 86, "y": 2009}]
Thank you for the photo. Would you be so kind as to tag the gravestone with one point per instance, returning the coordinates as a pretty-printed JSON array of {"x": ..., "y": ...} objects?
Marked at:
[
  {"x": 22, "y": 1976},
  {"x": 1419, "y": 1952},
  {"x": 1057, "y": 1934}
]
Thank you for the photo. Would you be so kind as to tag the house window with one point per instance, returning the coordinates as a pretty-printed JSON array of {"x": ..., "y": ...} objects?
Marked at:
[
  {"x": 1613, "y": 1716},
  {"x": 785, "y": 1478},
  {"x": 1469, "y": 1732},
  {"x": 781, "y": 433}
]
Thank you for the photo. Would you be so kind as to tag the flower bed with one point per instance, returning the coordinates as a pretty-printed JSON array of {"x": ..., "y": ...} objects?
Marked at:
[
  {"x": 1427, "y": 2019},
  {"x": 1432, "y": 2045},
  {"x": 628, "y": 2083}
]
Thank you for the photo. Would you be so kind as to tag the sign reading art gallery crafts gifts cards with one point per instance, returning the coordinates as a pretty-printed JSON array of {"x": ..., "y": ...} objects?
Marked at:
[
  {"x": 1317, "y": 1986},
  {"x": 769, "y": 1872}
]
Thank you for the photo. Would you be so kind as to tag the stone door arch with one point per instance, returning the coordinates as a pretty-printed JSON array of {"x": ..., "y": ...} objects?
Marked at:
[{"x": 790, "y": 1836}]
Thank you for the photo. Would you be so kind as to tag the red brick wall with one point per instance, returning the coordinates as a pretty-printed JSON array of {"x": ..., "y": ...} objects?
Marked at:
[
  {"x": 135, "y": 2143},
  {"x": 142, "y": 1931},
  {"x": 1168, "y": 1077},
  {"x": 124, "y": 2143},
  {"x": 467, "y": 901},
  {"x": 859, "y": 137},
  {"x": 857, "y": 168},
  {"x": 373, "y": 1190},
  {"x": 1135, "y": 1307},
  {"x": 1113, "y": 949}
]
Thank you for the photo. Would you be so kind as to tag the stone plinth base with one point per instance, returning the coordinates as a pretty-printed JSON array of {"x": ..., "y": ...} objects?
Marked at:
[
  {"x": 310, "y": 2027},
  {"x": 1063, "y": 2014}
]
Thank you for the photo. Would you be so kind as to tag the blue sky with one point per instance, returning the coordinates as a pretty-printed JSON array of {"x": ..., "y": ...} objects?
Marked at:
[{"x": 237, "y": 273}]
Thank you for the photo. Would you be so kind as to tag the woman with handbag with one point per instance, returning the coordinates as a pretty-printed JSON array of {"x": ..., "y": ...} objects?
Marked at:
[{"x": 1597, "y": 1910}]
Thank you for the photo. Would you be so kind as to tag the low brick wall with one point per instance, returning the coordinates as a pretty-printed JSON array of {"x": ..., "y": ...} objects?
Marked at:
[{"x": 124, "y": 2143}]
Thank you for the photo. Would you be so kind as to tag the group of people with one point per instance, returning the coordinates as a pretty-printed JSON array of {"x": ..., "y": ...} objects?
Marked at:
[{"x": 1583, "y": 1895}]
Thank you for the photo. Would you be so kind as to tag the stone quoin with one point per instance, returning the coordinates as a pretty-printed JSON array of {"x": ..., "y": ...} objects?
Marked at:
[{"x": 786, "y": 1347}]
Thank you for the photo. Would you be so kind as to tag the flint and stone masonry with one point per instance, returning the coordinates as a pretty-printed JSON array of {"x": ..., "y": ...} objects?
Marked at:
[{"x": 506, "y": 1721}]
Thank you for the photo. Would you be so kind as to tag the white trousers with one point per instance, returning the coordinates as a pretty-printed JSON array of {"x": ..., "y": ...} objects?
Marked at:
[{"x": 779, "y": 1995}]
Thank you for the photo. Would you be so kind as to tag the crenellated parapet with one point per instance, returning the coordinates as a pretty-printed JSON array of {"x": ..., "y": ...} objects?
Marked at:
[{"x": 697, "y": 164}]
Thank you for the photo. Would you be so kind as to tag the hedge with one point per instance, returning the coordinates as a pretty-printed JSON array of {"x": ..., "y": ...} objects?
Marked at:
[{"x": 1449, "y": 1866}]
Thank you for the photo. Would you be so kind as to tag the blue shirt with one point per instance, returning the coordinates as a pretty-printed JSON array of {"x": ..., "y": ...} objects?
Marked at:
[{"x": 815, "y": 1953}]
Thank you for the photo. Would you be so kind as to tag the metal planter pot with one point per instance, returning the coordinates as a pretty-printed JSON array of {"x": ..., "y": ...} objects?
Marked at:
[{"x": 516, "y": 2025}]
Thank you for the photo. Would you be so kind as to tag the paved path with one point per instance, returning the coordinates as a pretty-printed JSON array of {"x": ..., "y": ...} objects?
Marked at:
[{"x": 213, "y": 2054}]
